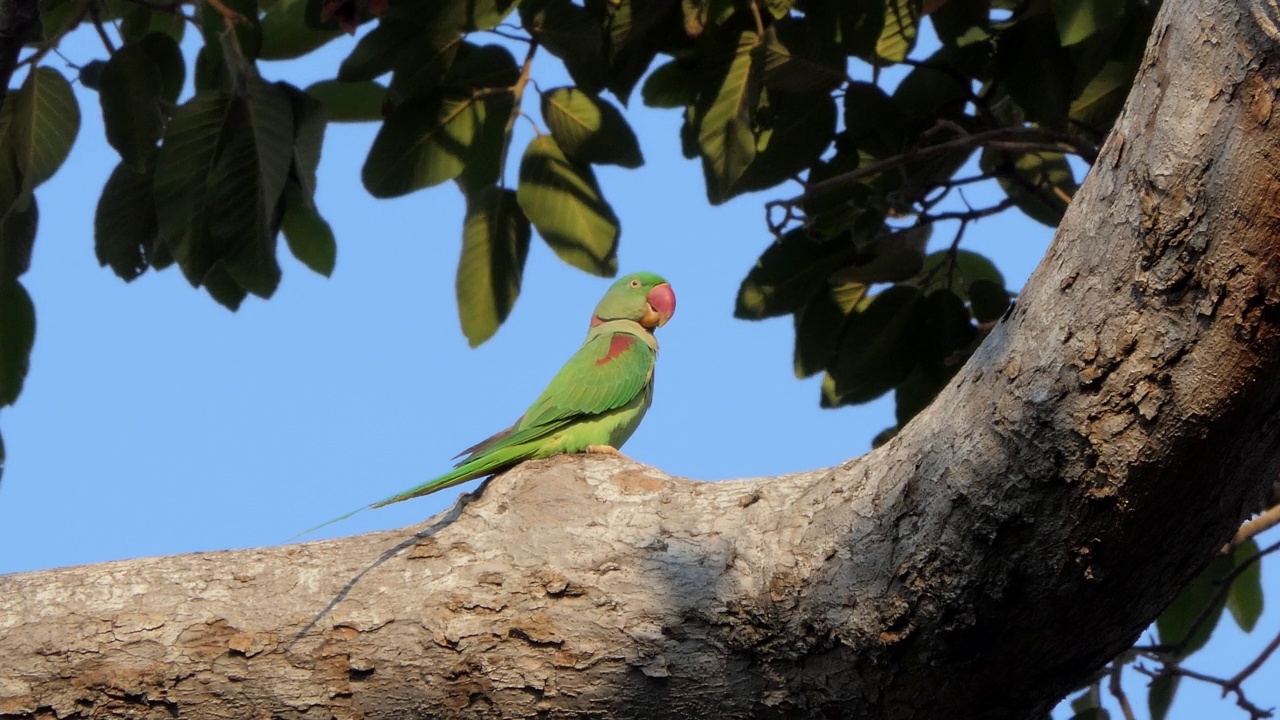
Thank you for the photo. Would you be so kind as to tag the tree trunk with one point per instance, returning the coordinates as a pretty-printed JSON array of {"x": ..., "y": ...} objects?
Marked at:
[{"x": 1109, "y": 435}]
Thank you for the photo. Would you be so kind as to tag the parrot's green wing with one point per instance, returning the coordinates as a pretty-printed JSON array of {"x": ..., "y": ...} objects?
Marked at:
[{"x": 608, "y": 371}]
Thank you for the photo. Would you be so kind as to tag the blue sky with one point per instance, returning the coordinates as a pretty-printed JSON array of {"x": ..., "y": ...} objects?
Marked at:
[{"x": 156, "y": 422}]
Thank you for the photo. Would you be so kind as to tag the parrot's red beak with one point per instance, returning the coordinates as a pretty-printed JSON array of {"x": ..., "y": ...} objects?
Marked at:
[{"x": 662, "y": 305}]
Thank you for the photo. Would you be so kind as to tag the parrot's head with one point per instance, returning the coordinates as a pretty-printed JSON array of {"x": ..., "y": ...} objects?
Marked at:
[{"x": 643, "y": 297}]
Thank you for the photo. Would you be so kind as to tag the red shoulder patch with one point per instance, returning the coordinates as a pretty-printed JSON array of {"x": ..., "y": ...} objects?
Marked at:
[{"x": 618, "y": 344}]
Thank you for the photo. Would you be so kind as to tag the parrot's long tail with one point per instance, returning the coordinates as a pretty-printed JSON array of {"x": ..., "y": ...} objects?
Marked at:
[{"x": 486, "y": 464}]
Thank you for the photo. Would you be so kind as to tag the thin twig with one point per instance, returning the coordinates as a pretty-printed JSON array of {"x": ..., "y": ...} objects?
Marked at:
[
  {"x": 1264, "y": 522},
  {"x": 755, "y": 14},
  {"x": 1251, "y": 668},
  {"x": 1255, "y": 712},
  {"x": 1118, "y": 692},
  {"x": 517, "y": 95},
  {"x": 1007, "y": 139},
  {"x": 96, "y": 17},
  {"x": 34, "y": 58},
  {"x": 1224, "y": 587}
]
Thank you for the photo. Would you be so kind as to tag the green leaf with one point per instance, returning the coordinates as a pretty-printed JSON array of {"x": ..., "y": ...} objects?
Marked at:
[
  {"x": 17, "y": 337},
  {"x": 947, "y": 330},
  {"x": 1086, "y": 701},
  {"x": 129, "y": 90},
  {"x": 884, "y": 436},
  {"x": 44, "y": 125},
  {"x": 789, "y": 275},
  {"x": 901, "y": 24},
  {"x": 421, "y": 67},
  {"x": 573, "y": 34},
  {"x": 125, "y": 222},
  {"x": 589, "y": 129},
  {"x": 873, "y": 122},
  {"x": 482, "y": 67},
  {"x": 928, "y": 93},
  {"x": 448, "y": 17},
  {"x": 817, "y": 327},
  {"x": 309, "y": 236},
  {"x": 167, "y": 57},
  {"x": 1041, "y": 184},
  {"x": 914, "y": 394},
  {"x": 246, "y": 184},
  {"x": 57, "y": 15},
  {"x": 779, "y": 9},
  {"x": 885, "y": 255},
  {"x": 1244, "y": 600},
  {"x": 308, "y": 137},
  {"x": 1160, "y": 696},
  {"x": 1175, "y": 624},
  {"x": 223, "y": 288},
  {"x": 1036, "y": 71},
  {"x": 495, "y": 243},
  {"x": 637, "y": 30},
  {"x": 139, "y": 21},
  {"x": 484, "y": 161},
  {"x": 878, "y": 349},
  {"x": 794, "y": 58},
  {"x": 856, "y": 26},
  {"x": 423, "y": 142},
  {"x": 219, "y": 177},
  {"x": 960, "y": 24},
  {"x": 988, "y": 300},
  {"x": 564, "y": 203},
  {"x": 957, "y": 272},
  {"x": 725, "y": 136},
  {"x": 1078, "y": 20},
  {"x": 18, "y": 214},
  {"x": 375, "y": 54},
  {"x": 286, "y": 35},
  {"x": 788, "y": 140},
  {"x": 671, "y": 85}
]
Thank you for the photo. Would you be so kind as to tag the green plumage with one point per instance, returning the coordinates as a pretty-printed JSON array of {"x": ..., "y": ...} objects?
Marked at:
[{"x": 597, "y": 399}]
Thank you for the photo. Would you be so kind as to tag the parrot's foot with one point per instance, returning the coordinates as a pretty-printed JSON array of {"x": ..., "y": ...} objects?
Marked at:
[{"x": 606, "y": 450}]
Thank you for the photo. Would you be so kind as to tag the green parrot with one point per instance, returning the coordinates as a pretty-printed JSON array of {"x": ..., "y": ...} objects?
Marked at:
[{"x": 593, "y": 404}]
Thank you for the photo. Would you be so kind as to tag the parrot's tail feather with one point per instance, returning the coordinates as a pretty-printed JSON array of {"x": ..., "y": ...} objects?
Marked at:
[
  {"x": 482, "y": 466},
  {"x": 327, "y": 523},
  {"x": 493, "y": 460}
]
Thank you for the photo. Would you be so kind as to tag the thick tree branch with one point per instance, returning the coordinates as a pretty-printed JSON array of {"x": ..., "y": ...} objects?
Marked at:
[{"x": 1101, "y": 445}]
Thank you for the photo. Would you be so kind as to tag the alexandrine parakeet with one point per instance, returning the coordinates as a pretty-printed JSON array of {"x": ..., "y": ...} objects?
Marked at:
[{"x": 593, "y": 404}]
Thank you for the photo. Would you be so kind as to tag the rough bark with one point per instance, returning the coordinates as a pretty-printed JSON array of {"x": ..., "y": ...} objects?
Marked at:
[{"x": 1109, "y": 435}]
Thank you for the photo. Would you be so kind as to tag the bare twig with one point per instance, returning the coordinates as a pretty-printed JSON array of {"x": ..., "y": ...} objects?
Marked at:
[
  {"x": 1234, "y": 683},
  {"x": 1224, "y": 587},
  {"x": 1264, "y": 522},
  {"x": 46, "y": 47},
  {"x": 96, "y": 17},
  {"x": 1015, "y": 139},
  {"x": 1255, "y": 712},
  {"x": 755, "y": 14},
  {"x": 517, "y": 95},
  {"x": 1118, "y": 692}
]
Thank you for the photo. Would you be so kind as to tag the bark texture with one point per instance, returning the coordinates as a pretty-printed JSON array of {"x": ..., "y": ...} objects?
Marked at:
[{"x": 1109, "y": 435}]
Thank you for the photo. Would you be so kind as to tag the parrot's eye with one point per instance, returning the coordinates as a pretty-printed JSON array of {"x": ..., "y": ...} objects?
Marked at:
[{"x": 635, "y": 283}]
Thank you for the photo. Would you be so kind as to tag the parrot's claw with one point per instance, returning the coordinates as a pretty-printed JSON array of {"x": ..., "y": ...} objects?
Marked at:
[{"x": 606, "y": 450}]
